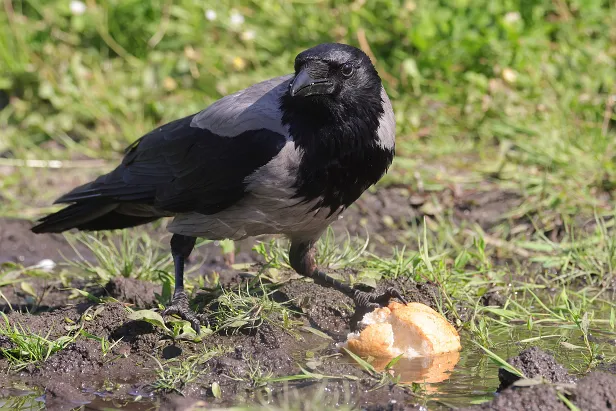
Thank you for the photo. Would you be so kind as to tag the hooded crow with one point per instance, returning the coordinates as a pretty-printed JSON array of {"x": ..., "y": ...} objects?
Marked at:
[{"x": 284, "y": 156}]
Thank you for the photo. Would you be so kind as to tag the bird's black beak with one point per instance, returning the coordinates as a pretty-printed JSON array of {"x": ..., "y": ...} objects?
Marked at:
[{"x": 304, "y": 85}]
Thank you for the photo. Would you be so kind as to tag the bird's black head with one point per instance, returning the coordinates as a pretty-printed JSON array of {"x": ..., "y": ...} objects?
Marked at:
[
  {"x": 333, "y": 110},
  {"x": 335, "y": 72}
]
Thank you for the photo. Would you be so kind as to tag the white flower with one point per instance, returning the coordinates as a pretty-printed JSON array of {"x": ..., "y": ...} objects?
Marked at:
[
  {"x": 512, "y": 17},
  {"x": 236, "y": 18},
  {"x": 248, "y": 35},
  {"x": 509, "y": 75},
  {"x": 210, "y": 15},
  {"x": 77, "y": 7}
]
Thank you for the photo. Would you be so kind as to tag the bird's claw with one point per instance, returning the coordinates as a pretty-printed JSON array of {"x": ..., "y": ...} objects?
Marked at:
[
  {"x": 369, "y": 301},
  {"x": 179, "y": 306}
]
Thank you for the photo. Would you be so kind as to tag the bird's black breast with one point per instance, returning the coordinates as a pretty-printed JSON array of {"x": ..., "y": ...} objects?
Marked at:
[
  {"x": 341, "y": 154},
  {"x": 338, "y": 175}
]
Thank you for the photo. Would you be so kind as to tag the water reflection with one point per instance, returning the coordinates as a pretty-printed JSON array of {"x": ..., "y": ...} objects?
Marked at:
[{"x": 431, "y": 369}]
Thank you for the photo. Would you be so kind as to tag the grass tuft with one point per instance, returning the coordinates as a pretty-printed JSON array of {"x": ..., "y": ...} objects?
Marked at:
[
  {"x": 127, "y": 256},
  {"x": 248, "y": 307},
  {"x": 27, "y": 348}
]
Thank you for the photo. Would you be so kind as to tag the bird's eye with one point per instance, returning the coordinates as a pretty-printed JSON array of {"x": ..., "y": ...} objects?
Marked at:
[{"x": 347, "y": 70}]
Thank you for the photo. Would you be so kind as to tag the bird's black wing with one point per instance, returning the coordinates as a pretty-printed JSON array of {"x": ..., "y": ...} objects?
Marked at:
[{"x": 181, "y": 167}]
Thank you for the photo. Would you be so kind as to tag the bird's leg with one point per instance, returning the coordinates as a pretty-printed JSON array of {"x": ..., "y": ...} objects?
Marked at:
[
  {"x": 181, "y": 247},
  {"x": 301, "y": 257}
]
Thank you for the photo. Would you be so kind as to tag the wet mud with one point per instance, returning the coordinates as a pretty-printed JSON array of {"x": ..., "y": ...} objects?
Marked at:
[
  {"x": 113, "y": 361},
  {"x": 534, "y": 362},
  {"x": 552, "y": 386}
]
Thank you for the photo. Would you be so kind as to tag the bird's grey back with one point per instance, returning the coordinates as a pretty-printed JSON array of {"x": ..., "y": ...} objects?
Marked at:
[{"x": 253, "y": 108}]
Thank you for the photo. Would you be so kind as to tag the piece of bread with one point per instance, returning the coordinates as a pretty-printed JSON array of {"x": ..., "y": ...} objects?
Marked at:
[{"x": 414, "y": 330}]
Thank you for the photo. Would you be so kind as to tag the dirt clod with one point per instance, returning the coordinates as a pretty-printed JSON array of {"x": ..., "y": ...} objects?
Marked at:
[
  {"x": 536, "y": 398},
  {"x": 596, "y": 391},
  {"x": 60, "y": 395},
  {"x": 611, "y": 367},
  {"x": 534, "y": 362},
  {"x": 79, "y": 357},
  {"x": 426, "y": 293},
  {"x": 308, "y": 297},
  {"x": 593, "y": 392},
  {"x": 130, "y": 290},
  {"x": 5, "y": 342},
  {"x": 493, "y": 299}
]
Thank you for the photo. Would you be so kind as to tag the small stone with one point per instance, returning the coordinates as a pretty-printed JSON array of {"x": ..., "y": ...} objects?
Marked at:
[{"x": 46, "y": 265}]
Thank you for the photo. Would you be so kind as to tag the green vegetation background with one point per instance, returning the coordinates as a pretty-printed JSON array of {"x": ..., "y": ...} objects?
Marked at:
[{"x": 520, "y": 92}]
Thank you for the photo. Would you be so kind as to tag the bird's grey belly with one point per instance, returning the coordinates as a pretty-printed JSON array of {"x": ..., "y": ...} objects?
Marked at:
[{"x": 255, "y": 216}]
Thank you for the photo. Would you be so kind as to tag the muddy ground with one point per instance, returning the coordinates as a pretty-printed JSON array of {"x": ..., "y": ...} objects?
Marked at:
[
  {"x": 80, "y": 374},
  {"x": 595, "y": 391},
  {"x": 385, "y": 215}
]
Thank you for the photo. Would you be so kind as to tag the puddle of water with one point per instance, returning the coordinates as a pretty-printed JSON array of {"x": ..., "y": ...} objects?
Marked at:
[
  {"x": 475, "y": 377},
  {"x": 18, "y": 397}
]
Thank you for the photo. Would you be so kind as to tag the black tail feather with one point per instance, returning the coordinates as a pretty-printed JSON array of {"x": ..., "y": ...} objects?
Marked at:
[
  {"x": 114, "y": 220},
  {"x": 88, "y": 215},
  {"x": 71, "y": 217}
]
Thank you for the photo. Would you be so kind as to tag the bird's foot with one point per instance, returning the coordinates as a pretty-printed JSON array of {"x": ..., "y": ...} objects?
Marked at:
[
  {"x": 179, "y": 306},
  {"x": 370, "y": 301},
  {"x": 367, "y": 302}
]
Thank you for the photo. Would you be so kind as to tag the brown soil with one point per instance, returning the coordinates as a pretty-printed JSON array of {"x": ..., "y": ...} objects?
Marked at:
[
  {"x": 332, "y": 318},
  {"x": 18, "y": 244},
  {"x": 336, "y": 317},
  {"x": 536, "y": 398},
  {"x": 597, "y": 392},
  {"x": 610, "y": 367},
  {"x": 593, "y": 392},
  {"x": 140, "y": 293},
  {"x": 71, "y": 375},
  {"x": 534, "y": 362},
  {"x": 81, "y": 373},
  {"x": 50, "y": 292},
  {"x": 387, "y": 213},
  {"x": 493, "y": 299}
]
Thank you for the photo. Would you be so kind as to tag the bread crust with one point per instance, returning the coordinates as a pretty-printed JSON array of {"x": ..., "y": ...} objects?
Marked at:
[{"x": 413, "y": 330}]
